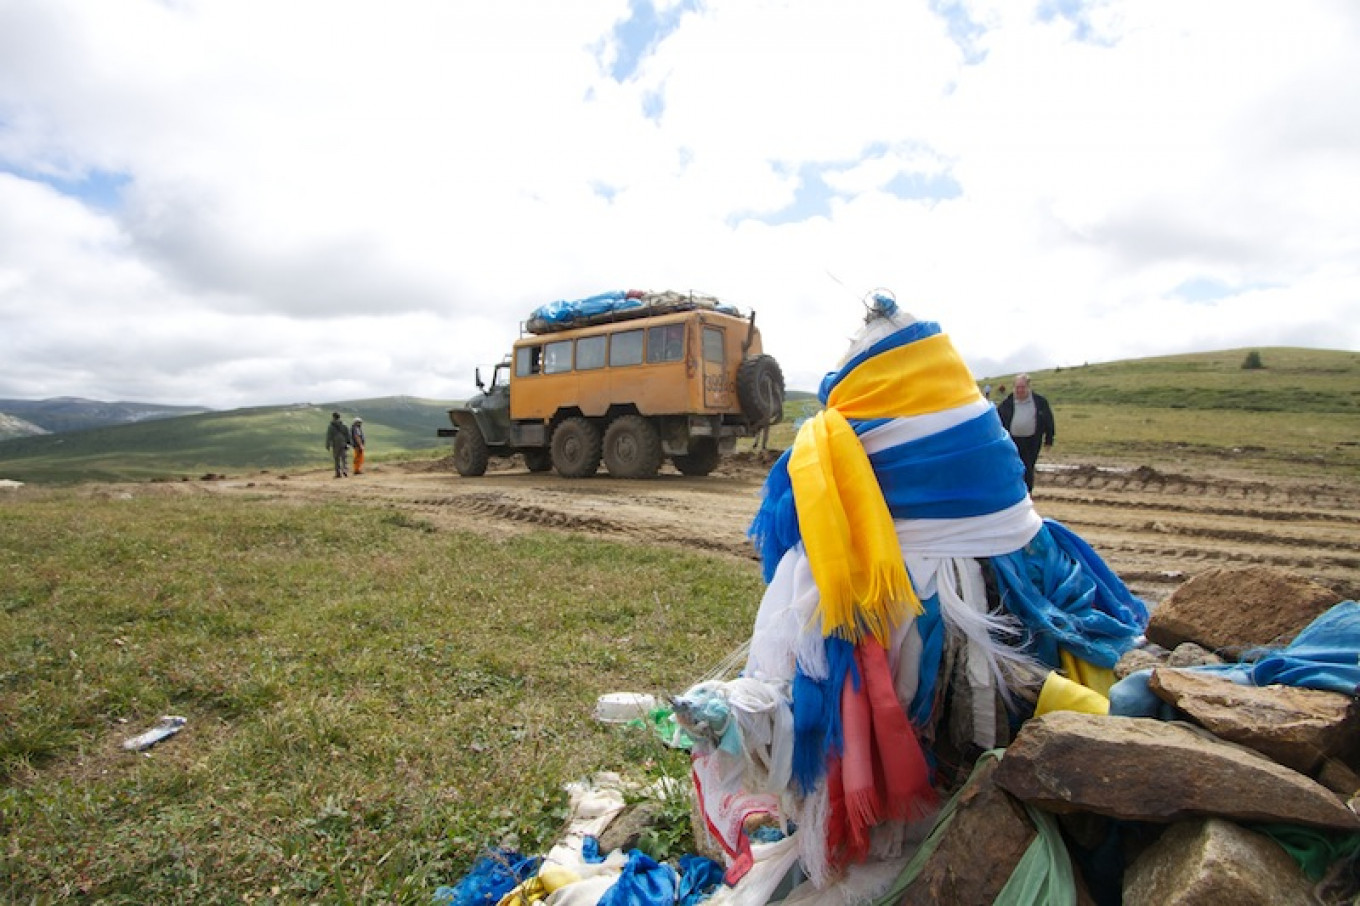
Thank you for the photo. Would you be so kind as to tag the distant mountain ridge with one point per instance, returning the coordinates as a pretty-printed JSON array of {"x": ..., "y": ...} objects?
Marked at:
[
  {"x": 13, "y": 426},
  {"x": 68, "y": 413},
  {"x": 280, "y": 437}
]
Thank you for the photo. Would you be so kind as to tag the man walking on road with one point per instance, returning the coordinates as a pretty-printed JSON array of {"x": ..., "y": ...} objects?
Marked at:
[
  {"x": 337, "y": 441},
  {"x": 1029, "y": 420}
]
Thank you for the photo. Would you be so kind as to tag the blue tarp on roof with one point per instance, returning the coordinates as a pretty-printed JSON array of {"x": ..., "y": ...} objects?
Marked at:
[
  {"x": 565, "y": 312},
  {"x": 618, "y": 304}
]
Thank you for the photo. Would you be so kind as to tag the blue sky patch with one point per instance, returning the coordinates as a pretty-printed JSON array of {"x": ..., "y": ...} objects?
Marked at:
[
  {"x": 963, "y": 31},
  {"x": 1202, "y": 289},
  {"x": 815, "y": 193},
  {"x": 99, "y": 188},
  {"x": 1211, "y": 289},
  {"x": 654, "y": 105},
  {"x": 1078, "y": 14},
  {"x": 920, "y": 186},
  {"x": 812, "y": 198},
  {"x": 639, "y": 34}
]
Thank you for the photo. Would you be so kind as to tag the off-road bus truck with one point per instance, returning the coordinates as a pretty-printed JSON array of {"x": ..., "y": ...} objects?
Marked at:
[{"x": 681, "y": 379}]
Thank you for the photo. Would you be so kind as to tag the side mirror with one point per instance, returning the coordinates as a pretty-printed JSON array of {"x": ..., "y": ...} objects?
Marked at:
[{"x": 477, "y": 373}]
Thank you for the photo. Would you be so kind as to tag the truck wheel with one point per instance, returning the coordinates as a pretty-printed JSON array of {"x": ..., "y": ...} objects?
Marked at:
[
  {"x": 470, "y": 454},
  {"x": 632, "y": 447},
  {"x": 701, "y": 459},
  {"x": 576, "y": 448},
  {"x": 537, "y": 459},
  {"x": 760, "y": 391}
]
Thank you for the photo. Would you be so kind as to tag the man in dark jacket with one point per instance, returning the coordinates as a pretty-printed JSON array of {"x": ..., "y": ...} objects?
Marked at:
[
  {"x": 1029, "y": 420},
  {"x": 337, "y": 441}
]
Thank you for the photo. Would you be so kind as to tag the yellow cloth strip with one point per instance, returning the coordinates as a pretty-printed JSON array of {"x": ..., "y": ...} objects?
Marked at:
[
  {"x": 1062, "y": 694},
  {"x": 536, "y": 890},
  {"x": 848, "y": 532},
  {"x": 921, "y": 377},
  {"x": 1098, "y": 679}
]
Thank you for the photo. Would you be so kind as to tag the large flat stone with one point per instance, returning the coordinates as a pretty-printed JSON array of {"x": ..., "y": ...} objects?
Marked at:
[
  {"x": 1139, "y": 769},
  {"x": 1233, "y": 610},
  {"x": 1299, "y": 728}
]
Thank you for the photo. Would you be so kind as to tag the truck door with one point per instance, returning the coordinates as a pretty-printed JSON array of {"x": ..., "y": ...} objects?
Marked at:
[{"x": 717, "y": 393}]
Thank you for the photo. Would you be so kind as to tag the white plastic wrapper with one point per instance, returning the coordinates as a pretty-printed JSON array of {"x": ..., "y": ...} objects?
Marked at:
[{"x": 167, "y": 727}]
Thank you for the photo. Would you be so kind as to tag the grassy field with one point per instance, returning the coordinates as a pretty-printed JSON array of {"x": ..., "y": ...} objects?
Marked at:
[{"x": 369, "y": 702}]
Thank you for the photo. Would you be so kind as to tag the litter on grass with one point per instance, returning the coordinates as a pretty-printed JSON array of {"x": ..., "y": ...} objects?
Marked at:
[{"x": 167, "y": 727}]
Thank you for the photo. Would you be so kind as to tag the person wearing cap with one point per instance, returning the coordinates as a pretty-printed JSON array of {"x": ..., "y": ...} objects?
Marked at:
[
  {"x": 1028, "y": 419},
  {"x": 337, "y": 441},
  {"x": 356, "y": 436}
]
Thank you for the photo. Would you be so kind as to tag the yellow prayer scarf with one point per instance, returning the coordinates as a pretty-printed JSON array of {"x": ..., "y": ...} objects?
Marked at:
[{"x": 847, "y": 530}]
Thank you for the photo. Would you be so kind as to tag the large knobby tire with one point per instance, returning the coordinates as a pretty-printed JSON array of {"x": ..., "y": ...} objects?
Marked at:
[
  {"x": 537, "y": 459},
  {"x": 760, "y": 391},
  {"x": 701, "y": 459},
  {"x": 576, "y": 448},
  {"x": 632, "y": 447},
  {"x": 470, "y": 454}
]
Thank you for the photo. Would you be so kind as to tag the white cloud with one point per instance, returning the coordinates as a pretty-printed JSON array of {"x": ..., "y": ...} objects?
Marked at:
[{"x": 330, "y": 200}]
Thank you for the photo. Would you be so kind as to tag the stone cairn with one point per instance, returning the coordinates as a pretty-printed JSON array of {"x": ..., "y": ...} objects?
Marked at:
[{"x": 1156, "y": 812}]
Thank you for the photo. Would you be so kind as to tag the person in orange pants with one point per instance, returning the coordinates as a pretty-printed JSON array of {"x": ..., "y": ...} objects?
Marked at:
[{"x": 356, "y": 433}]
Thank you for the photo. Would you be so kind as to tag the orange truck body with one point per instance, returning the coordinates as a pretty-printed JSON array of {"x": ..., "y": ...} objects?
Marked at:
[
  {"x": 662, "y": 378},
  {"x": 679, "y": 380}
]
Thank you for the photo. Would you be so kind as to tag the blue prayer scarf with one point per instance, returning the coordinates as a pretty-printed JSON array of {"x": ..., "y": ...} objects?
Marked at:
[{"x": 1066, "y": 596}]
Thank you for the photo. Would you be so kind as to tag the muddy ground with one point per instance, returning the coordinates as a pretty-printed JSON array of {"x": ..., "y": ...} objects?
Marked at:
[{"x": 1155, "y": 528}]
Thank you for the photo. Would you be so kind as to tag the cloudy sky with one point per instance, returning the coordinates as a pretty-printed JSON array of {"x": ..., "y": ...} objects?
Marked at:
[{"x": 248, "y": 202}]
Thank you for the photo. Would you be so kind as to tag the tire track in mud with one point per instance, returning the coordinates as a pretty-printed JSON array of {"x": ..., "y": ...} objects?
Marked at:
[
  {"x": 506, "y": 507},
  {"x": 1155, "y": 529},
  {"x": 494, "y": 506},
  {"x": 1146, "y": 479},
  {"x": 1264, "y": 515},
  {"x": 1158, "y": 529}
]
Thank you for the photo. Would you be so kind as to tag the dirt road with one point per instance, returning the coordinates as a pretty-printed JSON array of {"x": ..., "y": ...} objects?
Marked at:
[{"x": 1155, "y": 528}]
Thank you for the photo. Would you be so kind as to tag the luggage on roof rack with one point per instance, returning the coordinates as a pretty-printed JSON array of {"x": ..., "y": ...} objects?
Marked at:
[{"x": 618, "y": 305}]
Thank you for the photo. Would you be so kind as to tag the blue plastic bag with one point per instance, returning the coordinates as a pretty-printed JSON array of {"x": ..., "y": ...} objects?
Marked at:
[
  {"x": 490, "y": 878},
  {"x": 643, "y": 882}
]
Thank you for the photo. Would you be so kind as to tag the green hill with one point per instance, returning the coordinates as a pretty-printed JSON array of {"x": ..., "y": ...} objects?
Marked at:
[
  {"x": 269, "y": 437},
  {"x": 1289, "y": 380},
  {"x": 1300, "y": 410}
]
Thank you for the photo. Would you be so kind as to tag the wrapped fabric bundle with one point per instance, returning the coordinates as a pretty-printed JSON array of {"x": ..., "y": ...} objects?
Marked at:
[
  {"x": 565, "y": 312},
  {"x": 908, "y": 576}
]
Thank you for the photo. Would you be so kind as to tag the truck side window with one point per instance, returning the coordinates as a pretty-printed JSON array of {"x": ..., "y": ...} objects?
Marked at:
[
  {"x": 557, "y": 357},
  {"x": 590, "y": 352},
  {"x": 665, "y": 343},
  {"x": 528, "y": 360},
  {"x": 713, "y": 345},
  {"x": 625, "y": 348}
]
